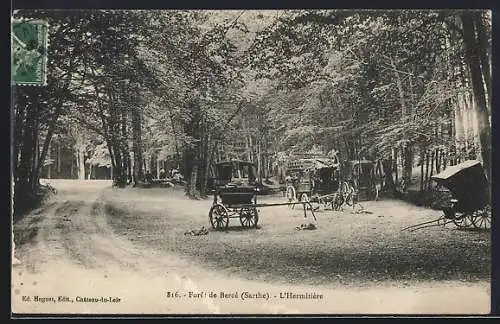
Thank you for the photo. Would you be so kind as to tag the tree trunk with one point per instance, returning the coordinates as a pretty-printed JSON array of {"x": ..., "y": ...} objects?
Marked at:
[
  {"x": 248, "y": 148},
  {"x": 193, "y": 192},
  {"x": 49, "y": 166},
  {"x": 81, "y": 164},
  {"x": 484, "y": 53},
  {"x": 422, "y": 154},
  {"x": 53, "y": 121},
  {"x": 399, "y": 85},
  {"x": 438, "y": 160},
  {"x": 137, "y": 145},
  {"x": 396, "y": 177},
  {"x": 250, "y": 145},
  {"x": 157, "y": 167},
  {"x": 408, "y": 164},
  {"x": 207, "y": 157},
  {"x": 35, "y": 167},
  {"x": 473, "y": 61},
  {"x": 59, "y": 159},
  {"x": 444, "y": 160},
  {"x": 259, "y": 163},
  {"x": 426, "y": 169},
  {"x": 72, "y": 167},
  {"x": 433, "y": 156}
]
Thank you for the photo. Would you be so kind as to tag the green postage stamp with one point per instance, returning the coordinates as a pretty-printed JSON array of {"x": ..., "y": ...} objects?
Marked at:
[{"x": 29, "y": 52}]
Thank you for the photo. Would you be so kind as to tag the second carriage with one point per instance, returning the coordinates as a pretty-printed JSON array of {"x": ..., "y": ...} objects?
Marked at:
[
  {"x": 235, "y": 191},
  {"x": 312, "y": 178},
  {"x": 323, "y": 179},
  {"x": 364, "y": 177}
]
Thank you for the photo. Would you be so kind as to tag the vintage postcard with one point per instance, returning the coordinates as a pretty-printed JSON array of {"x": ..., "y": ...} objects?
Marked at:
[{"x": 242, "y": 162}]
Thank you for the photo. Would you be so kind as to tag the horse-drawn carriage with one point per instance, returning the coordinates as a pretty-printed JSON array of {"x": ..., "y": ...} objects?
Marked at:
[
  {"x": 326, "y": 181},
  {"x": 469, "y": 205},
  {"x": 312, "y": 177},
  {"x": 235, "y": 190},
  {"x": 364, "y": 177}
]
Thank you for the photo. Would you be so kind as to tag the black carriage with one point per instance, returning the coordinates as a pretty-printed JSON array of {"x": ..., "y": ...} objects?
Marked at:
[
  {"x": 361, "y": 176},
  {"x": 235, "y": 190},
  {"x": 469, "y": 205},
  {"x": 310, "y": 178}
]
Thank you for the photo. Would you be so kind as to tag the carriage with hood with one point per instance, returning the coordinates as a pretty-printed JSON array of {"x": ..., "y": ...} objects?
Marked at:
[
  {"x": 235, "y": 190},
  {"x": 469, "y": 202},
  {"x": 312, "y": 178}
]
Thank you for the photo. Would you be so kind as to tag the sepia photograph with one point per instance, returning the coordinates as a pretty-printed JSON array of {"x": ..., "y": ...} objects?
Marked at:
[{"x": 251, "y": 162}]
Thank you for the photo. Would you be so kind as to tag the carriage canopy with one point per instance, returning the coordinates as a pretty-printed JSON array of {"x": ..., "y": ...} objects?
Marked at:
[
  {"x": 235, "y": 171},
  {"x": 467, "y": 182}
]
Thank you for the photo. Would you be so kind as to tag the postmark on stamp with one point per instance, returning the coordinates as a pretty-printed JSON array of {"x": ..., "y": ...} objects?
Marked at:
[{"x": 29, "y": 52}]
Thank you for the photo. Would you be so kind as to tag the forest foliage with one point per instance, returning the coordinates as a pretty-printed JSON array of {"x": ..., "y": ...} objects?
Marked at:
[{"x": 139, "y": 90}]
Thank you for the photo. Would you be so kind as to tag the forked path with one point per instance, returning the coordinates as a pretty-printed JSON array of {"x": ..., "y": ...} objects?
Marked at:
[{"x": 67, "y": 249}]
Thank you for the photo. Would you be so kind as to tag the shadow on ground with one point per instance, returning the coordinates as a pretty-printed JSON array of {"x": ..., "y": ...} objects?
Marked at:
[{"x": 344, "y": 249}]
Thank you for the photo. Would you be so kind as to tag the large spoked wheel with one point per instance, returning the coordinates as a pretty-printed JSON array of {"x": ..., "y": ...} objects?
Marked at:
[
  {"x": 374, "y": 191},
  {"x": 481, "y": 219},
  {"x": 343, "y": 189},
  {"x": 219, "y": 218},
  {"x": 463, "y": 220},
  {"x": 349, "y": 200},
  {"x": 290, "y": 193},
  {"x": 349, "y": 197},
  {"x": 304, "y": 197},
  {"x": 249, "y": 217}
]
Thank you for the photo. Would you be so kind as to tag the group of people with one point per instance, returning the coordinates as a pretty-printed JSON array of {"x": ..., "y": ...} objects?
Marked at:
[{"x": 174, "y": 174}]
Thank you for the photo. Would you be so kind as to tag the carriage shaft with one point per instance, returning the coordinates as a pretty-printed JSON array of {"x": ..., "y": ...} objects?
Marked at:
[{"x": 268, "y": 205}]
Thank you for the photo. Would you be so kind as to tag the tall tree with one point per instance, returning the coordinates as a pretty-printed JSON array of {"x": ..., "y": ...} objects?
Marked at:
[{"x": 475, "y": 52}]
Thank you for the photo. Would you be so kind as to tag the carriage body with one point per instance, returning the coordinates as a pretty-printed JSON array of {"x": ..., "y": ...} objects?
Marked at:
[
  {"x": 235, "y": 182},
  {"x": 235, "y": 191},
  {"x": 470, "y": 194},
  {"x": 312, "y": 176},
  {"x": 361, "y": 175}
]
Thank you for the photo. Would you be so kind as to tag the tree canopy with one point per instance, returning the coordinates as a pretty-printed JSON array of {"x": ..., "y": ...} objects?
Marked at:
[{"x": 136, "y": 90}]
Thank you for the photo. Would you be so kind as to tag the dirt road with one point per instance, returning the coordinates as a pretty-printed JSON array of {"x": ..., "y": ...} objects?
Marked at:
[{"x": 94, "y": 249}]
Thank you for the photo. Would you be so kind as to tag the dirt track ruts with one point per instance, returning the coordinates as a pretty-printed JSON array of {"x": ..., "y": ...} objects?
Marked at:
[{"x": 74, "y": 246}]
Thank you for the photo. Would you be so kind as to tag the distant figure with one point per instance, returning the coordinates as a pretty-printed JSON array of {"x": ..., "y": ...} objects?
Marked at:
[
  {"x": 173, "y": 172},
  {"x": 163, "y": 174},
  {"x": 148, "y": 177}
]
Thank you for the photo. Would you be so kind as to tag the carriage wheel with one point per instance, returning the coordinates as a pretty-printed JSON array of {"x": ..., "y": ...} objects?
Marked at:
[
  {"x": 374, "y": 191},
  {"x": 343, "y": 189},
  {"x": 349, "y": 193},
  {"x": 481, "y": 219},
  {"x": 355, "y": 184},
  {"x": 290, "y": 193},
  {"x": 219, "y": 218},
  {"x": 304, "y": 198},
  {"x": 463, "y": 220},
  {"x": 349, "y": 199},
  {"x": 249, "y": 217}
]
